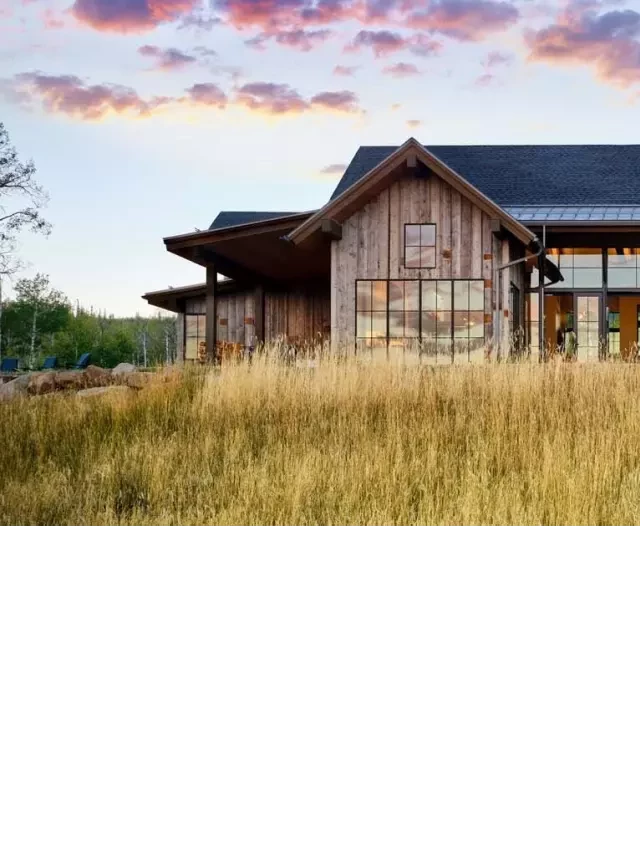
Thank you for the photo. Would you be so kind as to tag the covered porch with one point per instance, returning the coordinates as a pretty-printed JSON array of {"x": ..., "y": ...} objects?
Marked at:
[{"x": 258, "y": 288}]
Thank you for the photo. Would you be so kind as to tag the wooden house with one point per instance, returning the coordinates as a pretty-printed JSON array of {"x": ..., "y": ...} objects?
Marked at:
[{"x": 435, "y": 251}]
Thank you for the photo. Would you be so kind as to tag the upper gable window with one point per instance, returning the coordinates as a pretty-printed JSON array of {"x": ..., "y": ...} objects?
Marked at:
[{"x": 419, "y": 246}]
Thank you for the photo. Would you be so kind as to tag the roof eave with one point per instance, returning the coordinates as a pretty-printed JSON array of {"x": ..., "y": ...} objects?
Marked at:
[
  {"x": 230, "y": 229},
  {"x": 306, "y": 228}
]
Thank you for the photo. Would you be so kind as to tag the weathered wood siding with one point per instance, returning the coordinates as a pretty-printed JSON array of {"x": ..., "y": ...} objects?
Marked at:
[
  {"x": 296, "y": 317},
  {"x": 236, "y": 318},
  {"x": 372, "y": 246}
]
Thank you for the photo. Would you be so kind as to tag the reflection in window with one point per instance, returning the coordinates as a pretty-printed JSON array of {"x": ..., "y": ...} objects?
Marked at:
[
  {"x": 622, "y": 268},
  {"x": 419, "y": 246},
  {"x": 443, "y": 319},
  {"x": 581, "y": 268},
  {"x": 614, "y": 332},
  {"x": 587, "y": 310},
  {"x": 194, "y": 337}
]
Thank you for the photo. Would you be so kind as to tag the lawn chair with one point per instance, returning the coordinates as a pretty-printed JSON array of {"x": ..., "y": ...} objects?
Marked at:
[
  {"x": 9, "y": 365},
  {"x": 50, "y": 362},
  {"x": 83, "y": 361}
]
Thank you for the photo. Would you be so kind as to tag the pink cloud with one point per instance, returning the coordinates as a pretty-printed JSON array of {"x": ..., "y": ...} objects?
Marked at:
[
  {"x": 70, "y": 95},
  {"x": 608, "y": 42},
  {"x": 384, "y": 43},
  {"x": 167, "y": 59},
  {"x": 401, "y": 69}
]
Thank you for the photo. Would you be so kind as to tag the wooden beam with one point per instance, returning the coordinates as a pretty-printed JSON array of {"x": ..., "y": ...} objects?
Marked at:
[
  {"x": 259, "y": 314},
  {"x": 210, "y": 322},
  {"x": 496, "y": 227},
  {"x": 332, "y": 229},
  {"x": 412, "y": 162}
]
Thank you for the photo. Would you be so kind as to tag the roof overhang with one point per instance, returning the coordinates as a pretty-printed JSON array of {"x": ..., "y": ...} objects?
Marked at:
[
  {"x": 257, "y": 249},
  {"x": 390, "y": 169}
]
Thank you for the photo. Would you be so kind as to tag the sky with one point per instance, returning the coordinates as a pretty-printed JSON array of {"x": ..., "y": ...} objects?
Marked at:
[{"x": 145, "y": 118}]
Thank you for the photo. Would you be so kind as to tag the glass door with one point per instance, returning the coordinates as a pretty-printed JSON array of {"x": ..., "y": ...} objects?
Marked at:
[{"x": 587, "y": 327}]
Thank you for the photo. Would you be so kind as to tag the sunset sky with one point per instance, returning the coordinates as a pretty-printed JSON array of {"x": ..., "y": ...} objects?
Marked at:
[{"x": 147, "y": 117}]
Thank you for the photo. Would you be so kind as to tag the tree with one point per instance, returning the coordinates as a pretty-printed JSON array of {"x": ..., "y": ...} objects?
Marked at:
[
  {"x": 42, "y": 311},
  {"x": 20, "y": 201}
]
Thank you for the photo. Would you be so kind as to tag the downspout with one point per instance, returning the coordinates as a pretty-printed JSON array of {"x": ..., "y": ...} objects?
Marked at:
[{"x": 539, "y": 249}]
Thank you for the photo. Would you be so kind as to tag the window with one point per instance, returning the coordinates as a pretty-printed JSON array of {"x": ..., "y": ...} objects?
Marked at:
[
  {"x": 194, "y": 337},
  {"x": 622, "y": 271},
  {"x": 532, "y": 322},
  {"x": 587, "y": 310},
  {"x": 419, "y": 246},
  {"x": 444, "y": 320},
  {"x": 581, "y": 269},
  {"x": 614, "y": 332}
]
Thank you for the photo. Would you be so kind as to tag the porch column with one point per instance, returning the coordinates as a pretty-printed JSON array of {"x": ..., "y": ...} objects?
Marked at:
[
  {"x": 604, "y": 311},
  {"x": 541, "y": 338},
  {"x": 210, "y": 323},
  {"x": 259, "y": 314}
]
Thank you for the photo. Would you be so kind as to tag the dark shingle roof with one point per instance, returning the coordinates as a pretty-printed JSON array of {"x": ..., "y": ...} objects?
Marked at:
[
  {"x": 514, "y": 175},
  {"x": 228, "y": 218}
]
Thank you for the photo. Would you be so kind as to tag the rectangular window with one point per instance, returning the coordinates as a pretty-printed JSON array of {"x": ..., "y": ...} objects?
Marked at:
[
  {"x": 623, "y": 269},
  {"x": 582, "y": 269},
  {"x": 194, "y": 337},
  {"x": 420, "y": 246},
  {"x": 587, "y": 326},
  {"x": 532, "y": 304},
  {"x": 614, "y": 332},
  {"x": 444, "y": 320}
]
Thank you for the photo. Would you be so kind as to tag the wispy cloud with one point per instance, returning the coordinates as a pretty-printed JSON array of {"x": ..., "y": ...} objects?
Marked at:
[
  {"x": 401, "y": 69},
  {"x": 385, "y": 42},
  {"x": 167, "y": 59},
  {"x": 304, "y": 40},
  {"x": 333, "y": 170}
]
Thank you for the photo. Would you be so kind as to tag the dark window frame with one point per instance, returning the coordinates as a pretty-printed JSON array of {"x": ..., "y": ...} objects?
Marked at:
[
  {"x": 420, "y": 246},
  {"x": 198, "y": 338},
  {"x": 420, "y": 339}
]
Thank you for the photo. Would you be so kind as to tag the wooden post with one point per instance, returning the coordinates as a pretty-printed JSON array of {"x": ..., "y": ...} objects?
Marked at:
[
  {"x": 210, "y": 324},
  {"x": 604, "y": 308},
  {"x": 259, "y": 314},
  {"x": 541, "y": 336}
]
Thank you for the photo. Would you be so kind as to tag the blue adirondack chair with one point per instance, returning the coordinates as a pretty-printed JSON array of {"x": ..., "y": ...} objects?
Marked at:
[
  {"x": 9, "y": 365},
  {"x": 50, "y": 362},
  {"x": 83, "y": 361}
]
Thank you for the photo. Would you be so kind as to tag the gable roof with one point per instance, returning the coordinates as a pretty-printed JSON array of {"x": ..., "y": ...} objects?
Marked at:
[
  {"x": 231, "y": 218},
  {"x": 518, "y": 175},
  {"x": 350, "y": 199}
]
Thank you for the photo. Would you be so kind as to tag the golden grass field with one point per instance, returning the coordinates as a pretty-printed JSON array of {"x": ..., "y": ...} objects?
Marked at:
[{"x": 344, "y": 443}]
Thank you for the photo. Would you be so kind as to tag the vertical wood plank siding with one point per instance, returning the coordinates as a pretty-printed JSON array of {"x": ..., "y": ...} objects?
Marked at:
[{"x": 372, "y": 246}]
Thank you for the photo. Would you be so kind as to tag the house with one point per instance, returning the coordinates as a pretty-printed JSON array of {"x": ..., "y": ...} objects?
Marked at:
[{"x": 433, "y": 249}]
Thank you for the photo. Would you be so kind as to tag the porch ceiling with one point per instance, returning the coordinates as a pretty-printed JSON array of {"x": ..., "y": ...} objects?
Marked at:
[{"x": 258, "y": 250}]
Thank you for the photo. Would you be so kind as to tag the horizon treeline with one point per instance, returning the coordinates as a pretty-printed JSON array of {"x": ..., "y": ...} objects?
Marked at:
[{"x": 39, "y": 321}]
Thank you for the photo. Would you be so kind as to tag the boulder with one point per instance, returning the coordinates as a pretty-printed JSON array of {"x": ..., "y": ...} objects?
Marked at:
[
  {"x": 97, "y": 377},
  {"x": 135, "y": 380},
  {"x": 122, "y": 368},
  {"x": 70, "y": 380},
  {"x": 14, "y": 389},
  {"x": 42, "y": 383},
  {"x": 114, "y": 392}
]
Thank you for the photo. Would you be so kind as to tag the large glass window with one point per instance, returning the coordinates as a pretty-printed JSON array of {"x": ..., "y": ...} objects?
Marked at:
[
  {"x": 443, "y": 319},
  {"x": 582, "y": 269},
  {"x": 195, "y": 348},
  {"x": 587, "y": 310},
  {"x": 420, "y": 246},
  {"x": 622, "y": 269},
  {"x": 533, "y": 322}
]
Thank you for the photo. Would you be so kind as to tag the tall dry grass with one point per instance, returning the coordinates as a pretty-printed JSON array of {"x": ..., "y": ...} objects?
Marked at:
[{"x": 344, "y": 443}]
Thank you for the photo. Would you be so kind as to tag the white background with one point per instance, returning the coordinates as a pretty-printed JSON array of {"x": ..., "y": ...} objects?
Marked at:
[{"x": 319, "y": 690}]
